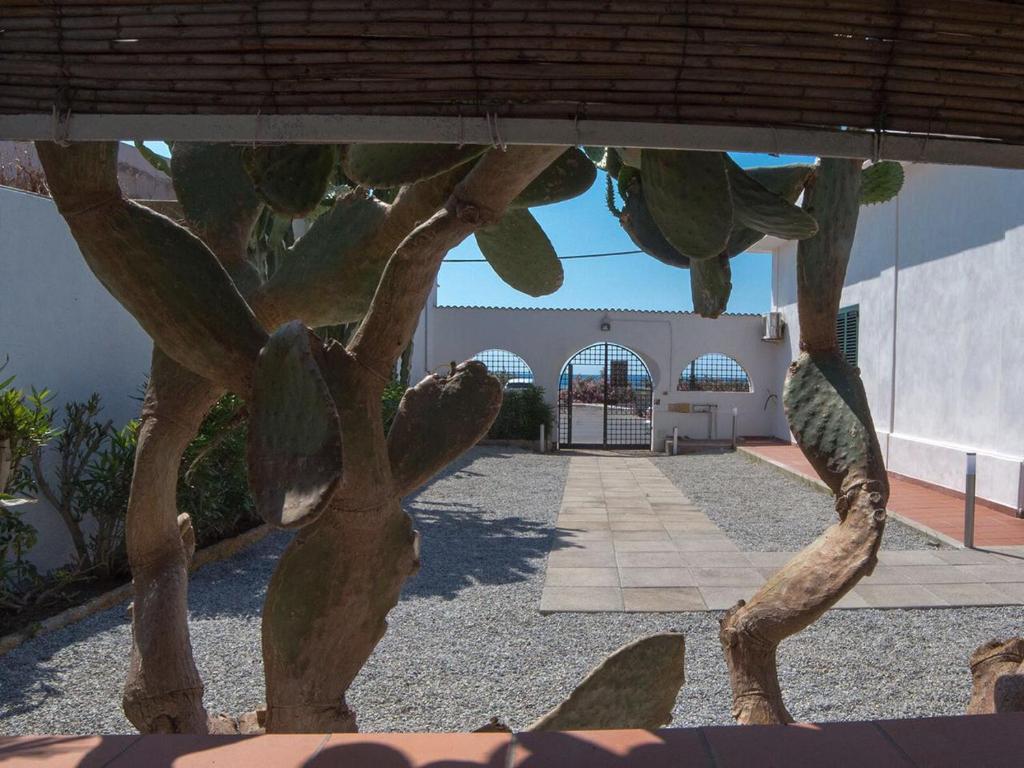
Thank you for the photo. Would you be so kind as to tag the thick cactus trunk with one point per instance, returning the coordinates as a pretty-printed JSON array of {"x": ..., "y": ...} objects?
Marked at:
[
  {"x": 327, "y": 603},
  {"x": 163, "y": 692},
  {"x": 829, "y": 416}
]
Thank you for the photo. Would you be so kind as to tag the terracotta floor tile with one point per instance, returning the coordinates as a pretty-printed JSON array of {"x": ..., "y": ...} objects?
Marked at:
[
  {"x": 62, "y": 751},
  {"x": 611, "y": 749},
  {"x": 836, "y": 745},
  {"x": 993, "y": 741},
  {"x": 414, "y": 750},
  {"x": 181, "y": 751}
]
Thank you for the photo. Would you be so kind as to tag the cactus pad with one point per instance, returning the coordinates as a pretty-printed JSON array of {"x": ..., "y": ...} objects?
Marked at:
[
  {"x": 216, "y": 194},
  {"x": 635, "y": 687},
  {"x": 519, "y": 251},
  {"x": 333, "y": 266},
  {"x": 569, "y": 176},
  {"x": 763, "y": 210},
  {"x": 829, "y": 415},
  {"x": 439, "y": 419},
  {"x": 710, "y": 285},
  {"x": 636, "y": 220},
  {"x": 294, "y": 450},
  {"x": 688, "y": 196},
  {"x": 787, "y": 181},
  {"x": 392, "y": 165},
  {"x": 292, "y": 178},
  {"x": 880, "y": 182}
]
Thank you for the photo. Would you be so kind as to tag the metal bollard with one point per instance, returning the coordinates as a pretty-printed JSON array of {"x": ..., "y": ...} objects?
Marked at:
[
  {"x": 543, "y": 443},
  {"x": 675, "y": 441},
  {"x": 735, "y": 414},
  {"x": 972, "y": 471}
]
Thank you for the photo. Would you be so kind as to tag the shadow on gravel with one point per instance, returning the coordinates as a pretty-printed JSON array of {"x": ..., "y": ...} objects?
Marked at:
[{"x": 466, "y": 546}]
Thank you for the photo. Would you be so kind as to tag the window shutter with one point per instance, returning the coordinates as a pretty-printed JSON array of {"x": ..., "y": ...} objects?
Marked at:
[{"x": 847, "y": 327}]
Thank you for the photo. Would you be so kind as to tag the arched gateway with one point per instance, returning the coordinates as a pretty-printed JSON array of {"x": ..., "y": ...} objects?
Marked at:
[{"x": 604, "y": 399}]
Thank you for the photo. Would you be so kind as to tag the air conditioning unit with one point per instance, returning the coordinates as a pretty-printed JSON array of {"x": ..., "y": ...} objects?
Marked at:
[{"x": 774, "y": 326}]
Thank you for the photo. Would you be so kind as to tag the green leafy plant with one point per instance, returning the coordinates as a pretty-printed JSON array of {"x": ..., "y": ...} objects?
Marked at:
[
  {"x": 25, "y": 426},
  {"x": 522, "y": 412},
  {"x": 390, "y": 399},
  {"x": 103, "y": 497},
  {"x": 214, "y": 487}
]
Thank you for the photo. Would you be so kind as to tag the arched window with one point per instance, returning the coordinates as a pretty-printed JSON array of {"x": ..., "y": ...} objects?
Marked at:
[
  {"x": 510, "y": 368},
  {"x": 714, "y": 372}
]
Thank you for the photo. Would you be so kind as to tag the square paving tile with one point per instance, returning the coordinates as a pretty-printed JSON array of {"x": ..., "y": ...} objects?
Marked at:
[
  {"x": 970, "y": 594},
  {"x": 852, "y": 599},
  {"x": 993, "y": 573},
  {"x": 899, "y": 596},
  {"x": 717, "y": 560},
  {"x": 584, "y": 599},
  {"x": 581, "y": 558},
  {"x": 1014, "y": 590},
  {"x": 656, "y": 577},
  {"x": 909, "y": 557},
  {"x": 666, "y": 545},
  {"x": 767, "y": 559},
  {"x": 661, "y": 535},
  {"x": 687, "y": 543},
  {"x": 723, "y": 598},
  {"x": 663, "y": 599},
  {"x": 582, "y": 577},
  {"x": 671, "y": 559},
  {"x": 727, "y": 577}
]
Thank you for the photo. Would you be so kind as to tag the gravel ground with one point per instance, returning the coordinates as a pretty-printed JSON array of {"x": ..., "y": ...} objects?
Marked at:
[
  {"x": 466, "y": 641},
  {"x": 764, "y": 509}
]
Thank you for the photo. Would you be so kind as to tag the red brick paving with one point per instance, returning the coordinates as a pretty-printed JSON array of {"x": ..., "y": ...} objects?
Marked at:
[{"x": 933, "y": 507}]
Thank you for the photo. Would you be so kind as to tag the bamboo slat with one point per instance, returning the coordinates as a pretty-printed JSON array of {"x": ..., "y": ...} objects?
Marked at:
[{"x": 940, "y": 67}]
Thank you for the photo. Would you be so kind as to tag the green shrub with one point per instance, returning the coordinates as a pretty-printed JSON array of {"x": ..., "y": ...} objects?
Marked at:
[
  {"x": 213, "y": 486},
  {"x": 25, "y": 426},
  {"x": 389, "y": 401},
  {"x": 522, "y": 412}
]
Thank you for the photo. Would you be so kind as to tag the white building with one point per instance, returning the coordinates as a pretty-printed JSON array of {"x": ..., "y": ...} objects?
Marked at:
[{"x": 935, "y": 281}]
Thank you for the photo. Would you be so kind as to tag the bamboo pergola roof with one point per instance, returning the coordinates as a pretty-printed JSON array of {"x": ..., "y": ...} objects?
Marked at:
[{"x": 924, "y": 71}]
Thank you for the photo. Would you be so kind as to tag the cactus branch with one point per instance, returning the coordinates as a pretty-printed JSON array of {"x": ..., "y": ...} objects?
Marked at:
[
  {"x": 478, "y": 200},
  {"x": 829, "y": 416}
]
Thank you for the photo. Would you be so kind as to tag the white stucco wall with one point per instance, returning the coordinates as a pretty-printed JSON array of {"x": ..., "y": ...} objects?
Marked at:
[
  {"x": 937, "y": 274},
  {"x": 61, "y": 331},
  {"x": 666, "y": 341}
]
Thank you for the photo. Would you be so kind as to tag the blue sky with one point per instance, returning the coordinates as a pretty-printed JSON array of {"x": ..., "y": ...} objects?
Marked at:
[{"x": 584, "y": 225}]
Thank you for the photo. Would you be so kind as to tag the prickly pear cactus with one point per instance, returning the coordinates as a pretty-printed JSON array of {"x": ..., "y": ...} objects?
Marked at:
[
  {"x": 880, "y": 182},
  {"x": 636, "y": 220},
  {"x": 688, "y": 196},
  {"x": 635, "y": 687},
  {"x": 519, "y": 251},
  {"x": 829, "y": 415},
  {"x": 294, "y": 450},
  {"x": 291, "y": 178},
  {"x": 710, "y": 285},
  {"x": 569, "y": 176},
  {"x": 392, "y": 165}
]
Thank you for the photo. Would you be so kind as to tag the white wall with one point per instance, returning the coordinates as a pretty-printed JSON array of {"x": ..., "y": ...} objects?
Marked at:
[
  {"x": 938, "y": 275},
  {"x": 62, "y": 331},
  {"x": 666, "y": 341}
]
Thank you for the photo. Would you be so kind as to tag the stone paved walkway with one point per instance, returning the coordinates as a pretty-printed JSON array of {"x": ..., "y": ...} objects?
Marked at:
[{"x": 629, "y": 540}]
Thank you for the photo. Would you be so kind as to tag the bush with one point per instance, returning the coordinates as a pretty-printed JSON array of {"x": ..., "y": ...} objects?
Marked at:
[
  {"x": 25, "y": 426},
  {"x": 213, "y": 486},
  {"x": 522, "y": 412},
  {"x": 392, "y": 396}
]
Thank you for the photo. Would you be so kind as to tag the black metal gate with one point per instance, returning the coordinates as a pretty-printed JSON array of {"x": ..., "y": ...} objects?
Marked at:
[{"x": 604, "y": 399}]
